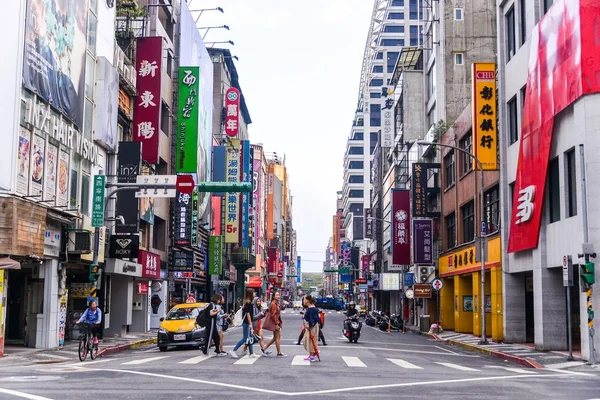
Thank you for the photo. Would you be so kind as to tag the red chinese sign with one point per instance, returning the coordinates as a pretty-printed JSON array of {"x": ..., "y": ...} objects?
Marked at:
[
  {"x": 564, "y": 65},
  {"x": 366, "y": 261},
  {"x": 273, "y": 261},
  {"x": 400, "y": 227},
  {"x": 146, "y": 120},
  {"x": 232, "y": 112},
  {"x": 142, "y": 287},
  {"x": 150, "y": 264}
]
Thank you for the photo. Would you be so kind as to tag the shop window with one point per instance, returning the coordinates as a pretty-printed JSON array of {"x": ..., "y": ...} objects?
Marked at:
[
  {"x": 571, "y": 183},
  {"x": 466, "y": 162},
  {"x": 450, "y": 223},
  {"x": 492, "y": 210},
  {"x": 554, "y": 190},
  {"x": 449, "y": 170},
  {"x": 468, "y": 221}
]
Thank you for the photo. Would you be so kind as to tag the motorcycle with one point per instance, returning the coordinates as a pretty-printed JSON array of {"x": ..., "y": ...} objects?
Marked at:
[
  {"x": 394, "y": 323},
  {"x": 352, "y": 328},
  {"x": 374, "y": 318}
]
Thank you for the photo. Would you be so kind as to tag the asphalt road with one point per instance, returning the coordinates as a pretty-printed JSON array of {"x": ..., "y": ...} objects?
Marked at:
[{"x": 381, "y": 365}]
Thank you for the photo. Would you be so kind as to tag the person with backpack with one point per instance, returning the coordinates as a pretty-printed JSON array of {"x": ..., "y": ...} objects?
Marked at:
[
  {"x": 221, "y": 318},
  {"x": 207, "y": 319},
  {"x": 257, "y": 325},
  {"x": 247, "y": 316}
]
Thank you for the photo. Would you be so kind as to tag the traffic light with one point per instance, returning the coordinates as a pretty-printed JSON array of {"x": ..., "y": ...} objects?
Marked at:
[
  {"x": 587, "y": 273},
  {"x": 93, "y": 273}
]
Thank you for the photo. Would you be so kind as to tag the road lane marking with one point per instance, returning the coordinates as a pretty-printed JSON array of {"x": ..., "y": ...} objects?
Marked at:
[
  {"x": 404, "y": 364},
  {"x": 246, "y": 360},
  {"x": 517, "y": 370},
  {"x": 23, "y": 395},
  {"x": 455, "y": 366},
  {"x": 564, "y": 371},
  {"x": 55, "y": 356},
  {"x": 196, "y": 360},
  {"x": 299, "y": 360},
  {"x": 144, "y": 360},
  {"x": 354, "y": 362},
  {"x": 90, "y": 362}
]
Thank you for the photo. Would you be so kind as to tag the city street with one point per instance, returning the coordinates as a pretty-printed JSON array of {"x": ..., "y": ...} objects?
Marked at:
[{"x": 381, "y": 365}]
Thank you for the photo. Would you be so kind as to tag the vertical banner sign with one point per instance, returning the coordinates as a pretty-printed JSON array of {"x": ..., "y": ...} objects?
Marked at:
[
  {"x": 128, "y": 168},
  {"x": 245, "y": 177},
  {"x": 194, "y": 226},
  {"x": 187, "y": 119},
  {"x": 98, "y": 203},
  {"x": 368, "y": 223},
  {"x": 387, "y": 117},
  {"x": 366, "y": 265},
  {"x": 146, "y": 119},
  {"x": 215, "y": 255},
  {"x": 400, "y": 227},
  {"x": 423, "y": 241},
  {"x": 272, "y": 262},
  {"x": 232, "y": 111},
  {"x": 183, "y": 218},
  {"x": 299, "y": 269},
  {"x": 232, "y": 200},
  {"x": 256, "y": 193},
  {"x": 550, "y": 89},
  {"x": 419, "y": 190},
  {"x": 485, "y": 132},
  {"x": 335, "y": 242},
  {"x": 150, "y": 264}
]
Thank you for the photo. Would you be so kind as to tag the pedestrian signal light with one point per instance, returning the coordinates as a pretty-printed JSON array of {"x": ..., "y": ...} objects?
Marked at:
[
  {"x": 93, "y": 273},
  {"x": 587, "y": 273}
]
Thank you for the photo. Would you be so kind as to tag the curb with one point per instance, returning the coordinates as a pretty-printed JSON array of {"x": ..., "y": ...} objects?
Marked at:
[{"x": 127, "y": 346}]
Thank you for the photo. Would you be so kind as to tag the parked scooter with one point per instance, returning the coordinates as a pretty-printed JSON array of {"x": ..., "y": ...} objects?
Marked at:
[
  {"x": 352, "y": 328},
  {"x": 373, "y": 318},
  {"x": 394, "y": 323}
]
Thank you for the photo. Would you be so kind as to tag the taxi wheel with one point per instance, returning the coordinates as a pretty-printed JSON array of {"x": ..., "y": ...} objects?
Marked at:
[{"x": 163, "y": 348}]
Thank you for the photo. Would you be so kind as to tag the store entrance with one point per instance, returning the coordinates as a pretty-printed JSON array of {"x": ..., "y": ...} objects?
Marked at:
[
  {"x": 529, "y": 314},
  {"x": 16, "y": 307}
]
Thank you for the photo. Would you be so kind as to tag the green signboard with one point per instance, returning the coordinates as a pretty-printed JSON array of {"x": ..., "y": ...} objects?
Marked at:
[
  {"x": 98, "y": 203},
  {"x": 215, "y": 255},
  {"x": 187, "y": 119}
]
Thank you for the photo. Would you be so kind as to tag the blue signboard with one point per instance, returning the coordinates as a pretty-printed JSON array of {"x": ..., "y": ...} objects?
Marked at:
[
  {"x": 298, "y": 270},
  {"x": 409, "y": 278},
  {"x": 246, "y": 177}
]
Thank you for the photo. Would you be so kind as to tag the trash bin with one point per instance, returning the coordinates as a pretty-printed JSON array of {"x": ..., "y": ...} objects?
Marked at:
[{"x": 425, "y": 323}]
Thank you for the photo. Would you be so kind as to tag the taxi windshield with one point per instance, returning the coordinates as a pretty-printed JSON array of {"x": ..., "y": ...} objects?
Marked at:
[{"x": 182, "y": 314}]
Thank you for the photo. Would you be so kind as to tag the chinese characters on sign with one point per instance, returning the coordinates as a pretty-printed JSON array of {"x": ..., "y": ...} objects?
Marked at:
[
  {"x": 215, "y": 255},
  {"x": 245, "y": 174},
  {"x": 421, "y": 191},
  {"x": 368, "y": 223},
  {"x": 150, "y": 264},
  {"x": 423, "y": 241},
  {"x": 194, "y": 233},
  {"x": 387, "y": 117},
  {"x": 183, "y": 263},
  {"x": 187, "y": 119},
  {"x": 232, "y": 111},
  {"x": 232, "y": 200},
  {"x": 147, "y": 107},
  {"x": 400, "y": 227},
  {"x": 98, "y": 204},
  {"x": 183, "y": 211},
  {"x": 485, "y": 132}
]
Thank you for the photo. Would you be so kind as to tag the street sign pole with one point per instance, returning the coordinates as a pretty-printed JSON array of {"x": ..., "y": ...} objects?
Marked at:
[{"x": 567, "y": 269}]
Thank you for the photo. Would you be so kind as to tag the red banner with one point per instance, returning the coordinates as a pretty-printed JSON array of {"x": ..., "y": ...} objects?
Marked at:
[
  {"x": 150, "y": 264},
  {"x": 273, "y": 262},
  {"x": 232, "y": 111},
  {"x": 400, "y": 227},
  {"x": 564, "y": 64},
  {"x": 146, "y": 119},
  {"x": 366, "y": 261},
  {"x": 216, "y": 215}
]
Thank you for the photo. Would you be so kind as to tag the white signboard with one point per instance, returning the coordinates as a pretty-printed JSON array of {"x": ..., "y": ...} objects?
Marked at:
[
  {"x": 121, "y": 267},
  {"x": 387, "y": 117},
  {"x": 391, "y": 281}
]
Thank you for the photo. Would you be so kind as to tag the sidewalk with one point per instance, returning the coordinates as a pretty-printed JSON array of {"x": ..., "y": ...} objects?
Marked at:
[
  {"x": 524, "y": 355},
  {"x": 19, "y": 355}
]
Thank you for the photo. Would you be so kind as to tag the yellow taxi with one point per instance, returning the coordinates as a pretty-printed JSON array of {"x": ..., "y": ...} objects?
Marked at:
[{"x": 179, "y": 327}]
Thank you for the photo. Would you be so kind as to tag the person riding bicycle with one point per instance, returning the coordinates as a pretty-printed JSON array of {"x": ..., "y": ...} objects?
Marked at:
[{"x": 93, "y": 317}]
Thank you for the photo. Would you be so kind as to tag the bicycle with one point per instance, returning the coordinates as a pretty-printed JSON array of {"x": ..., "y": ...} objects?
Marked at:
[{"x": 86, "y": 343}]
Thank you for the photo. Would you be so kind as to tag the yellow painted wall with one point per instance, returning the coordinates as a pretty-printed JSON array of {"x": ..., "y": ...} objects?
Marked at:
[
  {"x": 446, "y": 262},
  {"x": 497, "y": 310},
  {"x": 463, "y": 320},
  {"x": 447, "y": 304}
]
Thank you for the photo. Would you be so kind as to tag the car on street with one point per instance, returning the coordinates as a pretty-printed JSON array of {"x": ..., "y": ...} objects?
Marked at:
[
  {"x": 179, "y": 327},
  {"x": 297, "y": 304},
  {"x": 362, "y": 311}
]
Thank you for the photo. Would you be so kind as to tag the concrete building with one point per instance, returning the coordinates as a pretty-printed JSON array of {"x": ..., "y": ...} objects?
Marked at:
[{"x": 554, "y": 222}]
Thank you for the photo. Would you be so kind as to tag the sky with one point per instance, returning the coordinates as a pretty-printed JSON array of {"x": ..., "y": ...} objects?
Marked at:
[{"x": 299, "y": 69}]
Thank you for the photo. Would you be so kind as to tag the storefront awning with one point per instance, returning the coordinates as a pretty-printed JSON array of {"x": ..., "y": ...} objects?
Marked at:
[
  {"x": 255, "y": 282},
  {"x": 9, "y": 263}
]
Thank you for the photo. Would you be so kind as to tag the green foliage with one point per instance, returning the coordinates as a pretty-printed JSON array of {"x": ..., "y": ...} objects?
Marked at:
[
  {"x": 129, "y": 9},
  {"x": 440, "y": 128}
]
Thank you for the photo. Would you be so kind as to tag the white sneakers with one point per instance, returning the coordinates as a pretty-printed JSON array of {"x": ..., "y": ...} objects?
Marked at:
[{"x": 233, "y": 354}]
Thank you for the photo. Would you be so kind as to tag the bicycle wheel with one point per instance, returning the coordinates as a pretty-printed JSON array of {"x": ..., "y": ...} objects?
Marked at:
[
  {"x": 83, "y": 349},
  {"x": 93, "y": 350}
]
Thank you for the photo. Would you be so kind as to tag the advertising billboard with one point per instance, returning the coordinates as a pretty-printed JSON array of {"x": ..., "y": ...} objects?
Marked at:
[
  {"x": 55, "y": 50},
  {"x": 183, "y": 219},
  {"x": 128, "y": 168},
  {"x": 387, "y": 117},
  {"x": 107, "y": 99},
  {"x": 256, "y": 191},
  {"x": 400, "y": 227},
  {"x": 146, "y": 118},
  {"x": 232, "y": 200},
  {"x": 187, "y": 119},
  {"x": 485, "y": 129},
  {"x": 246, "y": 174},
  {"x": 422, "y": 241},
  {"x": 232, "y": 111}
]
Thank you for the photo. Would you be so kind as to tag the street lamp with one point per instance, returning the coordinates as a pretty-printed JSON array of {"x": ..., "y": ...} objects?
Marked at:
[
  {"x": 207, "y": 9},
  {"x": 481, "y": 248},
  {"x": 208, "y": 28},
  {"x": 226, "y": 42}
]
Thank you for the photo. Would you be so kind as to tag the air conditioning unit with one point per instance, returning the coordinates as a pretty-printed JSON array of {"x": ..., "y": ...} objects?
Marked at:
[
  {"x": 425, "y": 274},
  {"x": 79, "y": 242},
  {"x": 246, "y": 280}
]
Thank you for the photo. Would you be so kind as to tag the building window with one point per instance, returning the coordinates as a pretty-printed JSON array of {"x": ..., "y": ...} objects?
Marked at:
[
  {"x": 376, "y": 95},
  {"x": 356, "y": 150},
  {"x": 523, "y": 92},
  {"x": 458, "y": 59},
  {"x": 85, "y": 194},
  {"x": 396, "y": 15},
  {"x": 159, "y": 237},
  {"x": 356, "y": 193},
  {"x": 375, "y": 121},
  {"x": 431, "y": 80},
  {"x": 449, "y": 169},
  {"x": 91, "y": 33},
  {"x": 373, "y": 137},
  {"x": 466, "y": 162},
  {"x": 510, "y": 33},
  {"x": 376, "y": 82},
  {"x": 458, "y": 14},
  {"x": 492, "y": 209},
  {"x": 379, "y": 55},
  {"x": 571, "y": 187},
  {"x": 90, "y": 72},
  {"x": 415, "y": 9},
  {"x": 523, "y": 17},
  {"x": 547, "y": 5},
  {"x": 450, "y": 222},
  {"x": 414, "y": 35},
  {"x": 356, "y": 179},
  {"x": 392, "y": 42},
  {"x": 355, "y": 165},
  {"x": 165, "y": 120},
  {"x": 394, "y": 29},
  {"x": 398, "y": 3},
  {"x": 511, "y": 193},
  {"x": 358, "y": 136},
  {"x": 554, "y": 190},
  {"x": 377, "y": 68},
  {"x": 513, "y": 124},
  {"x": 468, "y": 221}
]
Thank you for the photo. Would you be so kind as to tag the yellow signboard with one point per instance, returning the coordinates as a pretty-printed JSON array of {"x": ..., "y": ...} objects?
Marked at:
[
  {"x": 466, "y": 259},
  {"x": 485, "y": 127},
  {"x": 335, "y": 243},
  {"x": 232, "y": 200}
]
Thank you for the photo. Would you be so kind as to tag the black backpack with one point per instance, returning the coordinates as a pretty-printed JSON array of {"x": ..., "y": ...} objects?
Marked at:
[{"x": 203, "y": 316}]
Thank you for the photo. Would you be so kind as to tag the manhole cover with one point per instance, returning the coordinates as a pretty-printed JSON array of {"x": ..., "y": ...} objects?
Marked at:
[{"x": 32, "y": 378}]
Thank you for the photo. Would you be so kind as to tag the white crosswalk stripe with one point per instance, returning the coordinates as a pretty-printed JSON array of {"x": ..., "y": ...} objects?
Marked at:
[
  {"x": 246, "y": 360},
  {"x": 299, "y": 360},
  {"x": 404, "y": 364},
  {"x": 517, "y": 370},
  {"x": 354, "y": 362},
  {"x": 456, "y": 366},
  {"x": 143, "y": 360},
  {"x": 196, "y": 360}
]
